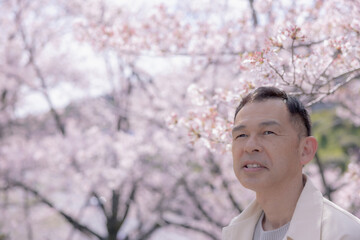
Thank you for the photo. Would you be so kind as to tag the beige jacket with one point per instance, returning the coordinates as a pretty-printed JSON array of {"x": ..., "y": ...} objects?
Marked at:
[{"x": 315, "y": 218}]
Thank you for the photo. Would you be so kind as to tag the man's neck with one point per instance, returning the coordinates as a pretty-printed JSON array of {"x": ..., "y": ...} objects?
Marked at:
[{"x": 279, "y": 203}]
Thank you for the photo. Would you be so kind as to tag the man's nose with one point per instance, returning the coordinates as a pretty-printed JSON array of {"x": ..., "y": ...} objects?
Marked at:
[{"x": 253, "y": 145}]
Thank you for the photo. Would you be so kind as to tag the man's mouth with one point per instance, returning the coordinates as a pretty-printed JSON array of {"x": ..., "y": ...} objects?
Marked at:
[{"x": 253, "y": 166}]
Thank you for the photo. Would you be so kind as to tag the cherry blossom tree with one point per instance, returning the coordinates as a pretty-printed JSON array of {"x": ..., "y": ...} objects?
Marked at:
[{"x": 139, "y": 147}]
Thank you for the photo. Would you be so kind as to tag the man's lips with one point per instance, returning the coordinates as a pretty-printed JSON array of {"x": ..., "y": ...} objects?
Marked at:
[{"x": 253, "y": 165}]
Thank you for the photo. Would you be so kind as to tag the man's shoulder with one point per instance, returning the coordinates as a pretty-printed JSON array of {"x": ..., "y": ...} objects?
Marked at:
[
  {"x": 339, "y": 220},
  {"x": 336, "y": 213}
]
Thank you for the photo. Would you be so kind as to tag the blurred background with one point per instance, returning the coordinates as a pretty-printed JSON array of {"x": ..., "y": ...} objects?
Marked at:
[{"x": 115, "y": 114}]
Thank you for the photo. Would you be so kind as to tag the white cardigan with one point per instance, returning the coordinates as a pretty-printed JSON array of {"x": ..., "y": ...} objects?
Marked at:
[{"x": 314, "y": 218}]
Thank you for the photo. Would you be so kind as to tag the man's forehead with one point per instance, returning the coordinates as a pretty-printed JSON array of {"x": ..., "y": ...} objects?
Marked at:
[{"x": 270, "y": 107}]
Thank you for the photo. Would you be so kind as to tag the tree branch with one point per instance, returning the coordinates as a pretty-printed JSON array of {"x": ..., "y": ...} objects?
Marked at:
[
  {"x": 39, "y": 74},
  {"x": 351, "y": 76},
  {"x": 148, "y": 233},
  {"x": 128, "y": 203},
  {"x": 323, "y": 73},
  {"x": 278, "y": 73},
  {"x": 293, "y": 61},
  {"x": 82, "y": 228},
  {"x": 225, "y": 184},
  {"x": 199, "y": 205},
  {"x": 101, "y": 204},
  {"x": 308, "y": 44},
  {"x": 187, "y": 226},
  {"x": 27, "y": 216},
  {"x": 253, "y": 13},
  {"x": 328, "y": 189}
]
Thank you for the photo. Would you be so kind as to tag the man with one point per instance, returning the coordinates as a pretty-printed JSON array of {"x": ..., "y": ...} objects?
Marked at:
[{"x": 271, "y": 143}]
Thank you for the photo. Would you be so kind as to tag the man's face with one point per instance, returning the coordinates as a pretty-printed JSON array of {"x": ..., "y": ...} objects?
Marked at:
[{"x": 266, "y": 145}]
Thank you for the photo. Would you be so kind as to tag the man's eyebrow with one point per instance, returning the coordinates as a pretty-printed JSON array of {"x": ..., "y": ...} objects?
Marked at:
[
  {"x": 238, "y": 128},
  {"x": 266, "y": 123}
]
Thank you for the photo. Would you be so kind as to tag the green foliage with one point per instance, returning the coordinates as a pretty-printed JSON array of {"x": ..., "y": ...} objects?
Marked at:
[{"x": 336, "y": 136}]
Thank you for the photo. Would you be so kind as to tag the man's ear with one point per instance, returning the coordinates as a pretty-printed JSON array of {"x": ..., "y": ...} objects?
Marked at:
[{"x": 308, "y": 149}]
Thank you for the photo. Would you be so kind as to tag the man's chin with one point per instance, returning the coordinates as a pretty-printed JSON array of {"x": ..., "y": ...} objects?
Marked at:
[{"x": 252, "y": 184}]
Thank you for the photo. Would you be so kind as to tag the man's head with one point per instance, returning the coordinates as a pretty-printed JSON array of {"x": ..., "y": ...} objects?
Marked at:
[
  {"x": 271, "y": 140},
  {"x": 299, "y": 115}
]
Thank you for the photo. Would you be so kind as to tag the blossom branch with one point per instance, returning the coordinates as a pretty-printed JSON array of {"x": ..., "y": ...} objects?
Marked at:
[
  {"x": 253, "y": 13},
  {"x": 148, "y": 233},
  {"x": 324, "y": 71},
  {"x": 32, "y": 62},
  {"x": 130, "y": 199},
  {"x": 351, "y": 76},
  {"x": 225, "y": 184},
  {"x": 293, "y": 61},
  {"x": 188, "y": 226},
  {"x": 309, "y": 44},
  {"x": 278, "y": 73},
  {"x": 328, "y": 189},
  {"x": 82, "y": 228},
  {"x": 199, "y": 205},
  {"x": 100, "y": 203}
]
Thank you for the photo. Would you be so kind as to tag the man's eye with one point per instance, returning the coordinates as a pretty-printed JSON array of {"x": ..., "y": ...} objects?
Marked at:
[
  {"x": 240, "y": 136},
  {"x": 268, "y": 132}
]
